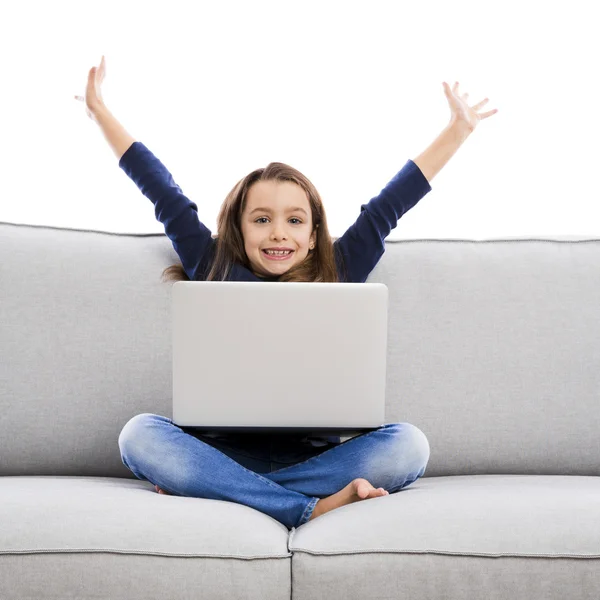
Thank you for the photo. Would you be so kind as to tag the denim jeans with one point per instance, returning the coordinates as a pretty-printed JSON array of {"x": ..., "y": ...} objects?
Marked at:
[{"x": 281, "y": 476}]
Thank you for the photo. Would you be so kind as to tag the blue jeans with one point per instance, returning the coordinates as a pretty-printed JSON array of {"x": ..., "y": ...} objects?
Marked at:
[{"x": 281, "y": 476}]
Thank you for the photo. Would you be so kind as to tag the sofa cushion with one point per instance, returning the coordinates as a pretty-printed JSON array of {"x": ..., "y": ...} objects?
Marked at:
[
  {"x": 84, "y": 537},
  {"x": 514, "y": 536}
]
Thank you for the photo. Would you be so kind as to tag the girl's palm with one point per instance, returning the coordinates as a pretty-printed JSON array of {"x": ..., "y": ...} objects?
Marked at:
[{"x": 93, "y": 92}]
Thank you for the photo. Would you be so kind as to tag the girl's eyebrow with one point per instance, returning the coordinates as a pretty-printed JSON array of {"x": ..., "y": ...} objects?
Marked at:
[{"x": 292, "y": 209}]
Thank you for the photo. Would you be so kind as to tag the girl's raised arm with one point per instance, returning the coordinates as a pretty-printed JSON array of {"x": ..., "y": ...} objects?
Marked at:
[{"x": 191, "y": 239}]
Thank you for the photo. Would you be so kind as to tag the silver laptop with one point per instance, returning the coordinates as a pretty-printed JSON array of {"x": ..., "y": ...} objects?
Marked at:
[{"x": 279, "y": 357}]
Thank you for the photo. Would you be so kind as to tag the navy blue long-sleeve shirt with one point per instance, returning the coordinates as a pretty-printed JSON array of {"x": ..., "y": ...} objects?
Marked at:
[{"x": 357, "y": 252}]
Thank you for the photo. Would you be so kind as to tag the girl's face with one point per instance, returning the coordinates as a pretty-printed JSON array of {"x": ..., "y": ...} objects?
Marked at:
[{"x": 277, "y": 214}]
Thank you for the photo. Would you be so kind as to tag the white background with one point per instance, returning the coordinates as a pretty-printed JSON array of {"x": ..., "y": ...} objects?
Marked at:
[{"x": 346, "y": 92}]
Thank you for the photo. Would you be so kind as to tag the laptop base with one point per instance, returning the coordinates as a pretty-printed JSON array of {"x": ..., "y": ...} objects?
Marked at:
[{"x": 308, "y": 431}]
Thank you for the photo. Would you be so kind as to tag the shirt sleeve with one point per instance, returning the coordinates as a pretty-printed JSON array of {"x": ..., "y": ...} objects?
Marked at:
[
  {"x": 362, "y": 245},
  {"x": 191, "y": 239}
]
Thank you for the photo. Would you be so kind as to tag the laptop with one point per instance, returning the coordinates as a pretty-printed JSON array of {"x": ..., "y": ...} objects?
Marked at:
[{"x": 279, "y": 357}]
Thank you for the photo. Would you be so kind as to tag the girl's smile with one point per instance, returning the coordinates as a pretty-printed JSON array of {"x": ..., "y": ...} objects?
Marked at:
[{"x": 278, "y": 256}]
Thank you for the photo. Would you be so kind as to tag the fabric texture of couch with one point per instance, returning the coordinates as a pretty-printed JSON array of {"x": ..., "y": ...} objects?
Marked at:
[{"x": 493, "y": 352}]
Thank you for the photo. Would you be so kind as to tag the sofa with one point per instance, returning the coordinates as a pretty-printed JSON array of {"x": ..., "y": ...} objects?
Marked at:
[{"x": 493, "y": 352}]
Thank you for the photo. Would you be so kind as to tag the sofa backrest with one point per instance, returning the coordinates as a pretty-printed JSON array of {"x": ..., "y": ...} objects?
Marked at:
[{"x": 493, "y": 349}]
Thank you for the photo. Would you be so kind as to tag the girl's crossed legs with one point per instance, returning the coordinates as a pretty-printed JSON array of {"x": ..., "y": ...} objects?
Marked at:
[{"x": 277, "y": 475}]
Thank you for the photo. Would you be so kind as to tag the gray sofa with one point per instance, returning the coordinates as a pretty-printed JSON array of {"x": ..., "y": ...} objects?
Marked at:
[{"x": 494, "y": 353}]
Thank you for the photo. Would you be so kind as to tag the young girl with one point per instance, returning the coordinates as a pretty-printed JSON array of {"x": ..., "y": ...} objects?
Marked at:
[{"x": 272, "y": 227}]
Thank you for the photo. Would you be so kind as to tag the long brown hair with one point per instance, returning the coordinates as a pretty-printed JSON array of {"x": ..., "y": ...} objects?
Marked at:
[{"x": 320, "y": 263}]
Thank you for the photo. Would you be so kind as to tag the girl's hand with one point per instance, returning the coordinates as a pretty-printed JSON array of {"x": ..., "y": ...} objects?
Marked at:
[
  {"x": 93, "y": 94},
  {"x": 461, "y": 111}
]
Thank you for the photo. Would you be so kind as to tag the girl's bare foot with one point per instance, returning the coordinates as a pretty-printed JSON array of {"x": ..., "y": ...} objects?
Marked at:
[
  {"x": 359, "y": 489},
  {"x": 161, "y": 491}
]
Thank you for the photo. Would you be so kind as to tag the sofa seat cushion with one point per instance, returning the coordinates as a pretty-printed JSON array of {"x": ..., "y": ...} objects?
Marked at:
[
  {"x": 66, "y": 536},
  {"x": 523, "y": 536}
]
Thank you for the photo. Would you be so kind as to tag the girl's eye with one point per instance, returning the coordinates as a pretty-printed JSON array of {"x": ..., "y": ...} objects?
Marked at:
[{"x": 292, "y": 219}]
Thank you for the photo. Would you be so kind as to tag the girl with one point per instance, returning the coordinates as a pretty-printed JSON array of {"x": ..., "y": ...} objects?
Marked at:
[{"x": 272, "y": 227}]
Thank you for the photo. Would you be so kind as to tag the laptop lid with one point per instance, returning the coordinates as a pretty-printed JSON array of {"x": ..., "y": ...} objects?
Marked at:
[{"x": 306, "y": 357}]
